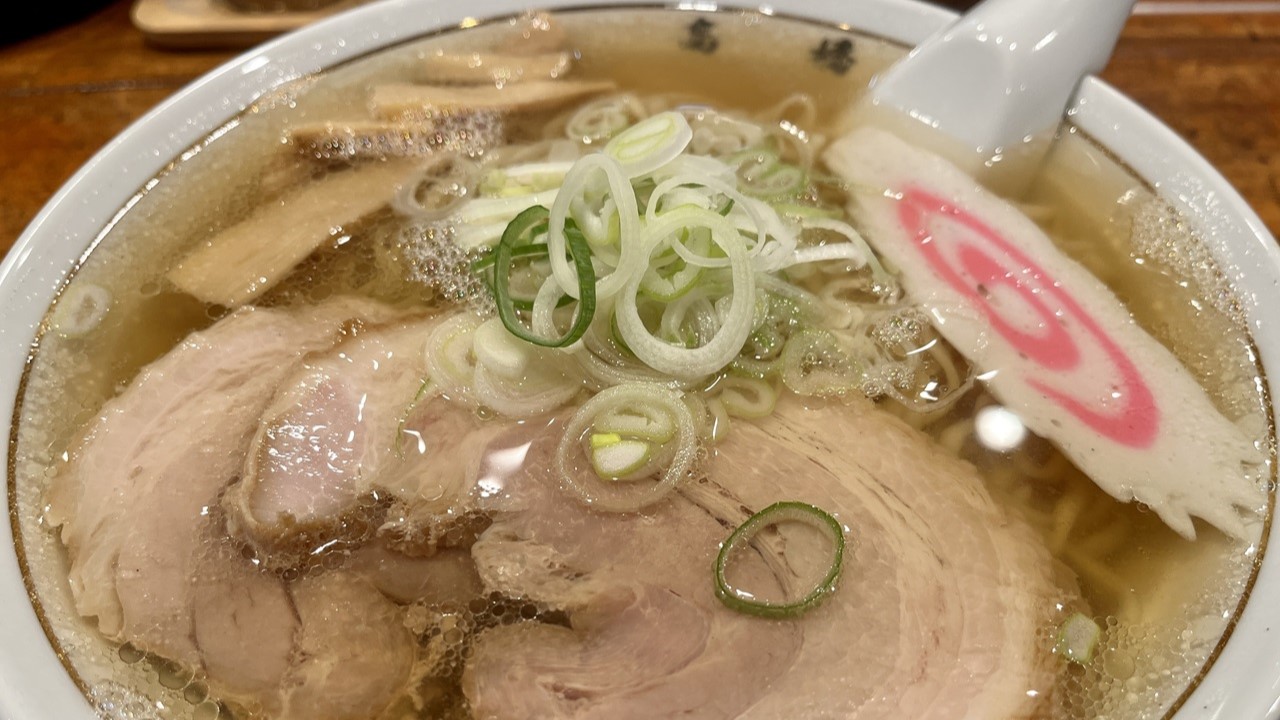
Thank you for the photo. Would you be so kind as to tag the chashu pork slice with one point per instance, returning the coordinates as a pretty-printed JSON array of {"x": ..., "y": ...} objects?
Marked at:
[
  {"x": 432, "y": 482},
  {"x": 332, "y": 424},
  {"x": 355, "y": 442},
  {"x": 136, "y": 505},
  {"x": 941, "y": 611},
  {"x": 164, "y": 448},
  {"x": 353, "y": 655},
  {"x": 647, "y": 637}
]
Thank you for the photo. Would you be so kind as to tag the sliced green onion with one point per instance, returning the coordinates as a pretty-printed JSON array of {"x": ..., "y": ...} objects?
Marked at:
[
  {"x": 599, "y": 441},
  {"x": 440, "y": 186},
  {"x": 618, "y": 457},
  {"x": 485, "y": 209},
  {"x": 481, "y": 221},
  {"x": 859, "y": 246},
  {"x": 448, "y": 354},
  {"x": 776, "y": 514},
  {"x": 600, "y": 120},
  {"x": 642, "y": 421},
  {"x": 524, "y": 179},
  {"x": 751, "y": 367},
  {"x": 762, "y": 174},
  {"x": 720, "y": 422},
  {"x": 542, "y": 390},
  {"x": 677, "y": 457},
  {"x": 1078, "y": 638},
  {"x": 727, "y": 341},
  {"x": 423, "y": 390},
  {"x": 650, "y": 143},
  {"x": 677, "y": 253},
  {"x": 814, "y": 363},
  {"x": 500, "y": 351},
  {"x": 617, "y": 198},
  {"x": 525, "y": 251},
  {"x": 532, "y": 250},
  {"x": 781, "y": 181},
  {"x": 826, "y": 253},
  {"x": 667, "y": 286},
  {"x": 747, "y": 397},
  {"x": 766, "y": 343},
  {"x": 798, "y": 210},
  {"x": 746, "y": 214},
  {"x": 578, "y": 250}
]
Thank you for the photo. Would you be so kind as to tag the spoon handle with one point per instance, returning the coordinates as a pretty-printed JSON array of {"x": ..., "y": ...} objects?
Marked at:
[{"x": 1004, "y": 73}]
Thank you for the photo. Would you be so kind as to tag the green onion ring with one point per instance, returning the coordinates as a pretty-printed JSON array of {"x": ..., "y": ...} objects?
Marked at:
[
  {"x": 646, "y": 397},
  {"x": 486, "y": 261},
  {"x": 502, "y": 258},
  {"x": 734, "y": 599}
]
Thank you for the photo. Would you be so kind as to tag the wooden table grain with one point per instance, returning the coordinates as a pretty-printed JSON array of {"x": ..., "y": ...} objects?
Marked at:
[{"x": 1208, "y": 68}]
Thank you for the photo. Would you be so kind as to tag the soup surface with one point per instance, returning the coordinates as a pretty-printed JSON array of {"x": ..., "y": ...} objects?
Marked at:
[{"x": 514, "y": 529}]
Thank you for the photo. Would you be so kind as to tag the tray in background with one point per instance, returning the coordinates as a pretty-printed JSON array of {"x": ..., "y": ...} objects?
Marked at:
[{"x": 212, "y": 24}]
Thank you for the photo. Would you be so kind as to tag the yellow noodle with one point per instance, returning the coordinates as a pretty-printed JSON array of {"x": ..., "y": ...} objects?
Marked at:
[
  {"x": 1103, "y": 580},
  {"x": 1066, "y": 514},
  {"x": 1110, "y": 538},
  {"x": 954, "y": 437}
]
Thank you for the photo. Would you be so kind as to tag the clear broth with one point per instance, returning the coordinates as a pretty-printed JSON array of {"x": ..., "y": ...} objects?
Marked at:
[{"x": 1167, "y": 603}]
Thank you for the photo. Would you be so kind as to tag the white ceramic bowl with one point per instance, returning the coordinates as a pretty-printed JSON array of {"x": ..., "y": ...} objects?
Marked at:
[{"x": 1244, "y": 682}]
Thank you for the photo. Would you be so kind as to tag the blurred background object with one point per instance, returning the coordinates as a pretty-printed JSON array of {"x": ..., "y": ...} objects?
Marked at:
[
  {"x": 279, "y": 5},
  {"x": 33, "y": 20},
  {"x": 184, "y": 24}
]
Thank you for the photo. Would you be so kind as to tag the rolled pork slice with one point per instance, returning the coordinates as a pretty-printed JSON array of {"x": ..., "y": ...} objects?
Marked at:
[
  {"x": 354, "y": 653},
  {"x": 445, "y": 457},
  {"x": 946, "y": 599},
  {"x": 447, "y": 577},
  {"x": 153, "y": 461},
  {"x": 233, "y": 603},
  {"x": 330, "y": 428},
  {"x": 942, "y": 610},
  {"x": 358, "y": 442},
  {"x": 647, "y": 639},
  {"x": 1055, "y": 345},
  {"x": 615, "y": 662},
  {"x": 136, "y": 508}
]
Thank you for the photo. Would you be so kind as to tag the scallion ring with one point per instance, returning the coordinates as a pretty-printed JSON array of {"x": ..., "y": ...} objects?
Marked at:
[
  {"x": 486, "y": 261},
  {"x": 484, "y": 265},
  {"x": 602, "y": 415},
  {"x": 781, "y": 512},
  {"x": 578, "y": 250}
]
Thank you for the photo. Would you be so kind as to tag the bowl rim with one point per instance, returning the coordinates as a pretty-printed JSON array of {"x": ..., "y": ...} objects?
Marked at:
[{"x": 1244, "y": 681}]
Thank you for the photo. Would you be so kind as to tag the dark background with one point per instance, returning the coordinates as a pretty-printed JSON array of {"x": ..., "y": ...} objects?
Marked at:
[{"x": 35, "y": 19}]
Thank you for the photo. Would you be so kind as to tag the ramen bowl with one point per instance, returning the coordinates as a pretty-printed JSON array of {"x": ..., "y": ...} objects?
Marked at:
[{"x": 38, "y": 675}]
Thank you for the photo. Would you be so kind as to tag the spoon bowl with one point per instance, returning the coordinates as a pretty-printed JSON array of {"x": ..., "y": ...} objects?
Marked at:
[{"x": 990, "y": 90}]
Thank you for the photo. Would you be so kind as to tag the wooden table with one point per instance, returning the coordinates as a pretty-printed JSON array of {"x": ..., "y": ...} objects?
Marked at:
[{"x": 1211, "y": 70}]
